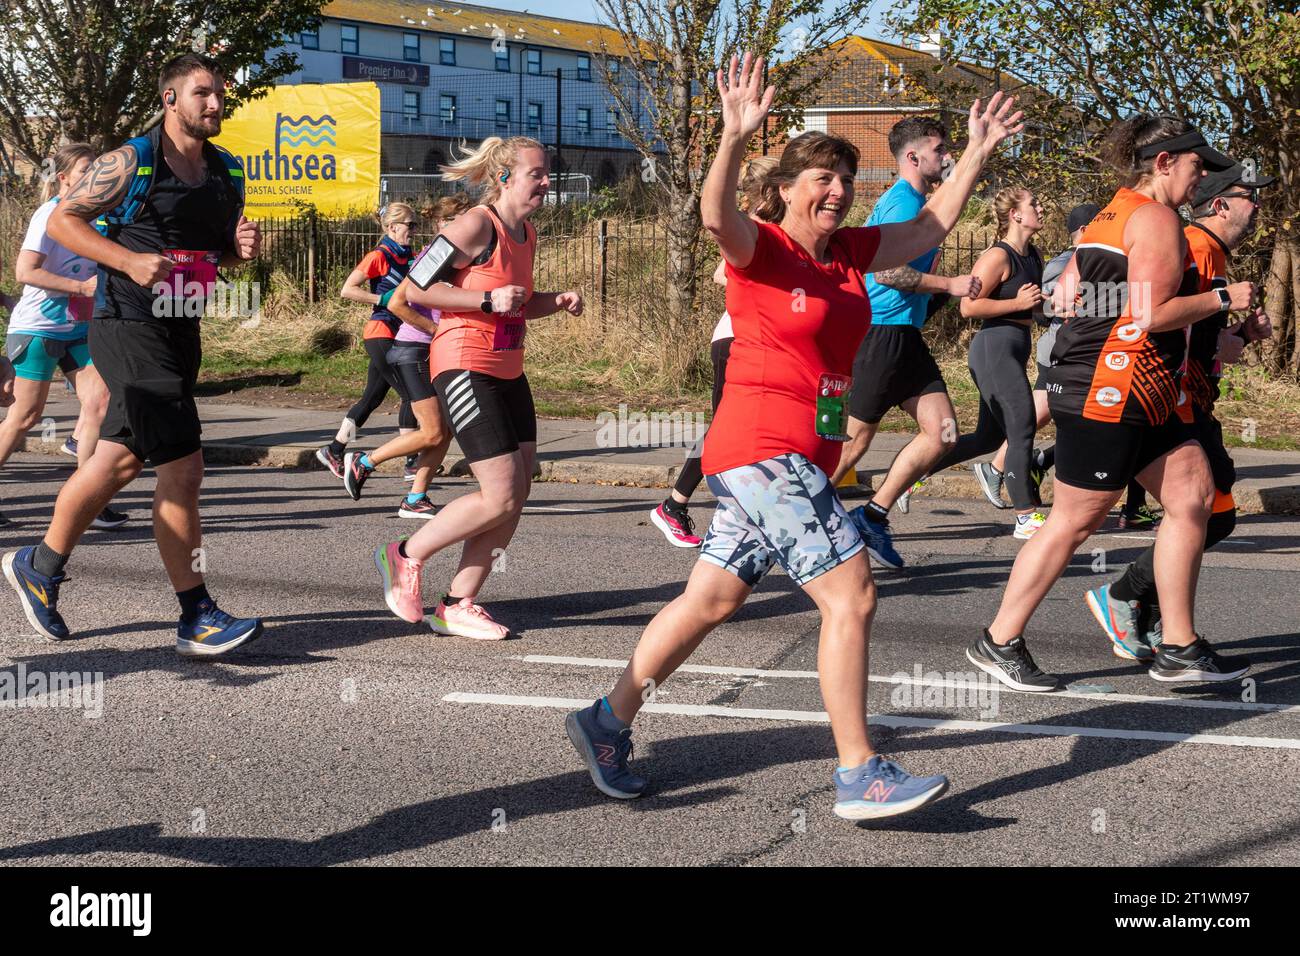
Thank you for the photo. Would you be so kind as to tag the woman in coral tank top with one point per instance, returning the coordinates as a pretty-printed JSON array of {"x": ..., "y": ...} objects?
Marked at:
[
  {"x": 477, "y": 363},
  {"x": 797, "y": 297}
]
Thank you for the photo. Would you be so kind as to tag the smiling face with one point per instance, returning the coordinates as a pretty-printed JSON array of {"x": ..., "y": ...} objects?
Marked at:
[
  {"x": 199, "y": 104},
  {"x": 529, "y": 181},
  {"x": 820, "y": 197}
]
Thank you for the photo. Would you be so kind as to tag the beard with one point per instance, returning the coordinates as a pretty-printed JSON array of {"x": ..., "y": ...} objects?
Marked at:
[{"x": 198, "y": 129}]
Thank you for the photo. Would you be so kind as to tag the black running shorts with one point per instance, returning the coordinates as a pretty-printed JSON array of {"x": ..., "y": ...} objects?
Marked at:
[
  {"x": 893, "y": 365},
  {"x": 409, "y": 363},
  {"x": 1104, "y": 456},
  {"x": 1210, "y": 434},
  {"x": 150, "y": 369},
  {"x": 490, "y": 416}
]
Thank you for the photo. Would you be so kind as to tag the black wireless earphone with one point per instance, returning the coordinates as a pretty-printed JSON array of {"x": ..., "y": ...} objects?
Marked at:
[{"x": 170, "y": 97}]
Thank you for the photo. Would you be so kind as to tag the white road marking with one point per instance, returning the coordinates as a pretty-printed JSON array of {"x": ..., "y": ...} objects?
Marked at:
[
  {"x": 542, "y": 509},
  {"x": 942, "y": 682},
  {"x": 890, "y": 720}
]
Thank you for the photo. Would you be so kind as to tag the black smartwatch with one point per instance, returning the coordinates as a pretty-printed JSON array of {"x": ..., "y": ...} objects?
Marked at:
[
  {"x": 486, "y": 304},
  {"x": 1225, "y": 300}
]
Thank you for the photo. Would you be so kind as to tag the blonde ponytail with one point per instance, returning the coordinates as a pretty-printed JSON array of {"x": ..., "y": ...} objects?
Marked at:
[{"x": 487, "y": 165}]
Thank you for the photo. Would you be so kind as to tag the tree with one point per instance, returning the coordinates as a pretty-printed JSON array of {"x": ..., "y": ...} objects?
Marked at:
[
  {"x": 1232, "y": 67},
  {"x": 671, "y": 49},
  {"x": 86, "y": 70}
]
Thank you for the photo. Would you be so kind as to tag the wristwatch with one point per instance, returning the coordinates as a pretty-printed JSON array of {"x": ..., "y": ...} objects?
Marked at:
[
  {"x": 1225, "y": 300},
  {"x": 486, "y": 304}
]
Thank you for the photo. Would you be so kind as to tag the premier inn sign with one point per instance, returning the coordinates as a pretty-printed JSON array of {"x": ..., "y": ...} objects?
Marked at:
[{"x": 385, "y": 71}]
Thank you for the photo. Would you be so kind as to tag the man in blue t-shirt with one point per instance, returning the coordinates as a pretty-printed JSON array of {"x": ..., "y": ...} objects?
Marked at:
[{"x": 894, "y": 367}]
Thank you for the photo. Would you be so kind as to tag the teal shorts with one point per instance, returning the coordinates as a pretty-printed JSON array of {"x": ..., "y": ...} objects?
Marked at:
[{"x": 35, "y": 357}]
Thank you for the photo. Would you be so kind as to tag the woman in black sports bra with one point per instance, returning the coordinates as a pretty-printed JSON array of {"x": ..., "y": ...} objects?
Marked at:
[{"x": 1011, "y": 274}]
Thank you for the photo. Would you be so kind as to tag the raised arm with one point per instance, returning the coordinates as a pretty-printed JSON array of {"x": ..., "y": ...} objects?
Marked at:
[
  {"x": 901, "y": 242},
  {"x": 744, "y": 108}
]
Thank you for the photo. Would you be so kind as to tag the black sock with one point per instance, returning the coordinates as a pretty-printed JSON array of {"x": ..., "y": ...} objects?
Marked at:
[
  {"x": 337, "y": 448},
  {"x": 876, "y": 513},
  {"x": 47, "y": 561},
  {"x": 450, "y": 599},
  {"x": 1123, "y": 589},
  {"x": 401, "y": 548},
  {"x": 675, "y": 506},
  {"x": 192, "y": 601}
]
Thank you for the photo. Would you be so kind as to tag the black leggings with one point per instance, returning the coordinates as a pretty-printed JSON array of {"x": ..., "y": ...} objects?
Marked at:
[
  {"x": 1139, "y": 581},
  {"x": 380, "y": 377},
  {"x": 998, "y": 354},
  {"x": 692, "y": 473}
]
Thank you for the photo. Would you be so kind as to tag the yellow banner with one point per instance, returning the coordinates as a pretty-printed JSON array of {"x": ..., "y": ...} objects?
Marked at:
[{"x": 314, "y": 143}]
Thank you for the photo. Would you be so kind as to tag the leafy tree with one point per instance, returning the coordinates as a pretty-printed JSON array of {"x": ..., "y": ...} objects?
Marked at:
[{"x": 86, "y": 70}]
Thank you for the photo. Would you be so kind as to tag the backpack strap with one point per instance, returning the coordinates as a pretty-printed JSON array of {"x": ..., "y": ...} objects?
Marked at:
[{"x": 125, "y": 212}]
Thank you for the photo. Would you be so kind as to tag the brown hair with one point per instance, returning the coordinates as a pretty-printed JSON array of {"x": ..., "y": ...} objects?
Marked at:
[
  {"x": 486, "y": 165},
  {"x": 1121, "y": 145},
  {"x": 179, "y": 67},
  {"x": 64, "y": 161},
  {"x": 752, "y": 201},
  {"x": 1007, "y": 199},
  {"x": 447, "y": 207},
  {"x": 806, "y": 151}
]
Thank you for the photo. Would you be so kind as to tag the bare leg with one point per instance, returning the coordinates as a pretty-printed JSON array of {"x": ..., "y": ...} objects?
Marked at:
[
  {"x": 937, "y": 420},
  {"x": 93, "y": 395},
  {"x": 88, "y": 491},
  {"x": 23, "y": 415},
  {"x": 482, "y": 550},
  {"x": 860, "y": 435},
  {"x": 176, "y": 519}
]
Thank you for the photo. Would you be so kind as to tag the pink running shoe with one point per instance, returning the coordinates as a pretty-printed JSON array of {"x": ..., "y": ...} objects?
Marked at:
[
  {"x": 401, "y": 582},
  {"x": 680, "y": 533},
  {"x": 466, "y": 619}
]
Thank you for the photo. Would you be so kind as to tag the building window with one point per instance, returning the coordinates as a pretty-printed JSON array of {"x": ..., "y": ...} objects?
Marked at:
[
  {"x": 584, "y": 120},
  {"x": 447, "y": 108},
  {"x": 503, "y": 58},
  {"x": 503, "y": 113},
  {"x": 611, "y": 121},
  {"x": 411, "y": 47},
  {"x": 411, "y": 104},
  {"x": 534, "y": 117},
  {"x": 535, "y": 62},
  {"x": 311, "y": 39},
  {"x": 447, "y": 51},
  {"x": 584, "y": 66},
  {"x": 612, "y": 66},
  {"x": 350, "y": 41}
]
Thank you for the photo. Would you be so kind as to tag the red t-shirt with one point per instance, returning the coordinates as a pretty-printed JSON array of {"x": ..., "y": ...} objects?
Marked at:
[{"x": 795, "y": 319}]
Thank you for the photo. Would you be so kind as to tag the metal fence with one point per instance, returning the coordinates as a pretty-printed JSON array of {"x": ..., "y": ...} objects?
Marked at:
[{"x": 619, "y": 264}]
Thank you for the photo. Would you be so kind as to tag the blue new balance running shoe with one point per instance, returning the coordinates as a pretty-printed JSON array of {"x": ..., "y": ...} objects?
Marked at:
[
  {"x": 875, "y": 535},
  {"x": 881, "y": 788},
  {"x": 605, "y": 752},
  {"x": 39, "y": 594},
  {"x": 214, "y": 632}
]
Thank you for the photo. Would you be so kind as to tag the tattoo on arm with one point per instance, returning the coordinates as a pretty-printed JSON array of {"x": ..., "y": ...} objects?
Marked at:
[
  {"x": 904, "y": 278},
  {"x": 104, "y": 185}
]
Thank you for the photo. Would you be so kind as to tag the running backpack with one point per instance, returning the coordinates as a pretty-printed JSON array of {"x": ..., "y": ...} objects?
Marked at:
[{"x": 146, "y": 147}]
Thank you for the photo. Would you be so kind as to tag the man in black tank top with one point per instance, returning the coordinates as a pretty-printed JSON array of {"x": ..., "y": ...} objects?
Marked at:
[{"x": 157, "y": 268}]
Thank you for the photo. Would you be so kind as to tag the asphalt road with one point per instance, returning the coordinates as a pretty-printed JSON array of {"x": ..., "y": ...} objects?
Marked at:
[{"x": 346, "y": 736}]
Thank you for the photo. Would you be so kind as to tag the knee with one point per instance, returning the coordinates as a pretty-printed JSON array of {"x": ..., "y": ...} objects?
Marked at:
[
  {"x": 715, "y": 610},
  {"x": 857, "y": 604},
  {"x": 183, "y": 481},
  {"x": 23, "y": 419},
  {"x": 506, "y": 498}
]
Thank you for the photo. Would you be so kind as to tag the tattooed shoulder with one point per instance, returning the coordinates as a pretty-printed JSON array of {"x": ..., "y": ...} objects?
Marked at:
[{"x": 104, "y": 185}]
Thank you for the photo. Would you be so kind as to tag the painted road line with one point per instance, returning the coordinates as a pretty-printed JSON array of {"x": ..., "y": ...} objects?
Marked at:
[
  {"x": 1253, "y": 706},
  {"x": 891, "y": 720}
]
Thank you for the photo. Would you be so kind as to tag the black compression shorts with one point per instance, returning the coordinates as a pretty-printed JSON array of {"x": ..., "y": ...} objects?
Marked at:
[
  {"x": 1104, "y": 456},
  {"x": 490, "y": 416}
]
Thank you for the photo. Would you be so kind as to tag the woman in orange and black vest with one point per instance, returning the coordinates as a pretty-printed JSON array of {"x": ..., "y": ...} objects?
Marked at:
[{"x": 1130, "y": 296}]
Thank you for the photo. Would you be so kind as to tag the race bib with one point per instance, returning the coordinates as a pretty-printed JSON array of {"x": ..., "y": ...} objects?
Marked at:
[
  {"x": 509, "y": 334},
  {"x": 81, "y": 308},
  {"x": 832, "y": 399},
  {"x": 195, "y": 272}
]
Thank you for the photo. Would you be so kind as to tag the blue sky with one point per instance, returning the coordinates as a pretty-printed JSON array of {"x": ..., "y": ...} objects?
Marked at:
[{"x": 586, "y": 10}]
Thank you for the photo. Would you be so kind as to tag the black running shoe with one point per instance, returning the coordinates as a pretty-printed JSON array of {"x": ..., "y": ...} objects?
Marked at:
[
  {"x": 355, "y": 473},
  {"x": 1196, "y": 663},
  {"x": 108, "y": 519},
  {"x": 330, "y": 460},
  {"x": 424, "y": 508},
  {"x": 1012, "y": 664}
]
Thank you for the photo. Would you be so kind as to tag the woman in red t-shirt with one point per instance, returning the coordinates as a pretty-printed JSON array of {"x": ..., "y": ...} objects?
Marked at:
[{"x": 799, "y": 309}]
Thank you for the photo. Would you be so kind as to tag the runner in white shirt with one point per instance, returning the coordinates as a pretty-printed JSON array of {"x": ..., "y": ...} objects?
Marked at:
[{"x": 48, "y": 326}]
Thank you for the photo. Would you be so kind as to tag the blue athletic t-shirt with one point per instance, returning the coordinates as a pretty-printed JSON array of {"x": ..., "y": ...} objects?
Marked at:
[{"x": 899, "y": 203}]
